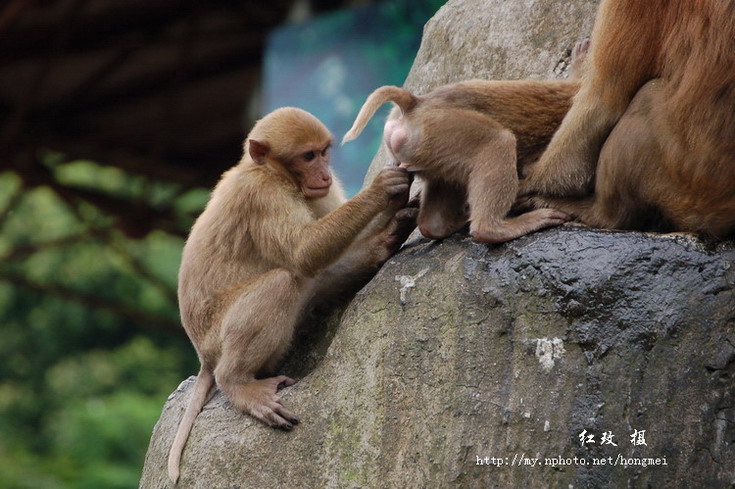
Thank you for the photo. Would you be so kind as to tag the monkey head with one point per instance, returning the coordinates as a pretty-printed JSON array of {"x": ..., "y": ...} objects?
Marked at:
[{"x": 296, "y": 143}]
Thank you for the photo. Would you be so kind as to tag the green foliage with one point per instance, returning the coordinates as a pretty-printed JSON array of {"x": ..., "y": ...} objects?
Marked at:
[{"x": 86, "y": 367}]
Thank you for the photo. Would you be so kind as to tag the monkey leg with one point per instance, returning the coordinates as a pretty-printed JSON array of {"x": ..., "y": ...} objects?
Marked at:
[
  {"x": 491, "y": 190},
  {"x": 624, "y": 54},
  {"x": 443, "y": 209},
  {"x": 362, "y": 260},
  {"x": 632, "y": 186},
  {"x": 256, "y": 332}
]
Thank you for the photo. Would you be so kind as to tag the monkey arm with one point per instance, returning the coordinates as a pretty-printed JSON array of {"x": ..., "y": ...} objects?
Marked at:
[
  {"x": 286, "y": 233},
  {"x": 364, "y": 257}
]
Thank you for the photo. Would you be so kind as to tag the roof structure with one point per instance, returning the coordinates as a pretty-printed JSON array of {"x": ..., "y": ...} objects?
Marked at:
[{"x": 158, "y": 88}]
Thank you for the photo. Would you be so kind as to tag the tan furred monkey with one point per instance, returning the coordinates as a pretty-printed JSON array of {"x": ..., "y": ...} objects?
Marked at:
[
  {"x": 649, "y": 142},
  {"x": 470, "y": 141},
  {"x": 277, "y": 236}
]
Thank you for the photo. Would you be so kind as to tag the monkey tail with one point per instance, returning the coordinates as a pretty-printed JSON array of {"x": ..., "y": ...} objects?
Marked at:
[
  {"x": 200, "y": 396},
  {"x": 404, "y": 99}
]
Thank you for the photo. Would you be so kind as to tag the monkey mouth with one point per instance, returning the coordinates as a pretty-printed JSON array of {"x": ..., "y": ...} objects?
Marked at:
[{"x": 316, "y": 192}]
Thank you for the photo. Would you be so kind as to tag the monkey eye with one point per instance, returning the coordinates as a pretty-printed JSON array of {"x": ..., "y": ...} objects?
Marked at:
[{"x": 310, "y": 155}]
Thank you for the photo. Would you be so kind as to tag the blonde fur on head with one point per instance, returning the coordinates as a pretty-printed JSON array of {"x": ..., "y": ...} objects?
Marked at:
[{"x": 291, "y": 128}]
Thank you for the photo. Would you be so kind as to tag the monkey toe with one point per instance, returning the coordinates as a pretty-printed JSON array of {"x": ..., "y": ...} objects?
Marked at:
[
  {"x": 556, "y": 215},
  {"x": 279, "y": 417},
  {"x": 282, "y": 381},
  {"x": 287, "y": 415},
  {"x": 548, "y": 218},
  {"x": 274, "y": 414},
  {"x": 581, "y": 48},
  {"x": 279, "y": 423}
]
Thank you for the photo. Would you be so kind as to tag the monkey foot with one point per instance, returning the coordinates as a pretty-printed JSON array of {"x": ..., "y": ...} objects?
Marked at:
[
  {"x": 518, "y": 226},
  {"x": 544, "y": 218},
  {"x": 267, "y": 404}
]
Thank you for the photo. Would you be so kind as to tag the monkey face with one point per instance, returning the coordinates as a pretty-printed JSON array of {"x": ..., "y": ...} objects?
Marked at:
[{"x": 311, "y": 169}]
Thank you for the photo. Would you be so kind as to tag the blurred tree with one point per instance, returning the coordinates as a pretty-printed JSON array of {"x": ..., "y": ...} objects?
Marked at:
[{"x": 91, "y": 338}]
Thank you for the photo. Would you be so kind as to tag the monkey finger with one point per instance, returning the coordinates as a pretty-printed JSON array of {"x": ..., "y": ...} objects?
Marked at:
[
  {"x": 391, "y": 171},
  {"x": 389, "y": 178},
  {"x": 397, "y": 183},
  {"x": 397, "y": 179},
  {"x": 397, "y": 189}
]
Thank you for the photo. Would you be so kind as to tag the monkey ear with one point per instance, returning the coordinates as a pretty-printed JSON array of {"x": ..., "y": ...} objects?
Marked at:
[{"x": 258, "y": 150}]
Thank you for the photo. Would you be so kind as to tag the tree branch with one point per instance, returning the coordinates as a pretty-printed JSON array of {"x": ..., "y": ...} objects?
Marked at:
[{"x": 92, "y": 301}]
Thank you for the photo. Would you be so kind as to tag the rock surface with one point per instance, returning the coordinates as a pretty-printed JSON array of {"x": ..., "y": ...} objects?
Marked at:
[
  {"x": 458, "y": 351},
  {"x": 461, "y": 363}
]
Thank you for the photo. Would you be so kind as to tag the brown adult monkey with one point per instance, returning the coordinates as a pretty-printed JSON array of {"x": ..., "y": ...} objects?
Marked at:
[
  {"x": 276, "y": 235},
  {"x": 470, "y": 141},
  {"x": 662, "y": 74}
]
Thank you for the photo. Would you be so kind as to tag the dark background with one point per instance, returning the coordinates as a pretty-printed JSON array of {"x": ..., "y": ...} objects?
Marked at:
[{"x": 116, "y": 118}]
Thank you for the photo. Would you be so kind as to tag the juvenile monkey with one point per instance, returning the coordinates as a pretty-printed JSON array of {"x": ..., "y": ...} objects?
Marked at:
[
  {"x": 470, "y": 141},
  {"x": 276, "y": 236},
  {"x": 652, "y": 128}
]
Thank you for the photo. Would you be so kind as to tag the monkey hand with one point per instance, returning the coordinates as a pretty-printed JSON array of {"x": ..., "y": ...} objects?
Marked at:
[
  {"x": 391, "y": 238},
  {"x": 401, "y": 200},
  {"x": 392, "y": 184}
]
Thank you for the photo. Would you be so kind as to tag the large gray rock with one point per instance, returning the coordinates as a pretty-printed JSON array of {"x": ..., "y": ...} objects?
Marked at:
[
  {"x": 460, "y": 363},
  {"x": 458, "y": 351}
]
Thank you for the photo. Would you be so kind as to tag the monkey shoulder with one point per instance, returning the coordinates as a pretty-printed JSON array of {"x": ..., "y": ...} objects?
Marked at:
[
  {"x": 272, "y": 205},
  {"x": 263, "y": 189}
]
